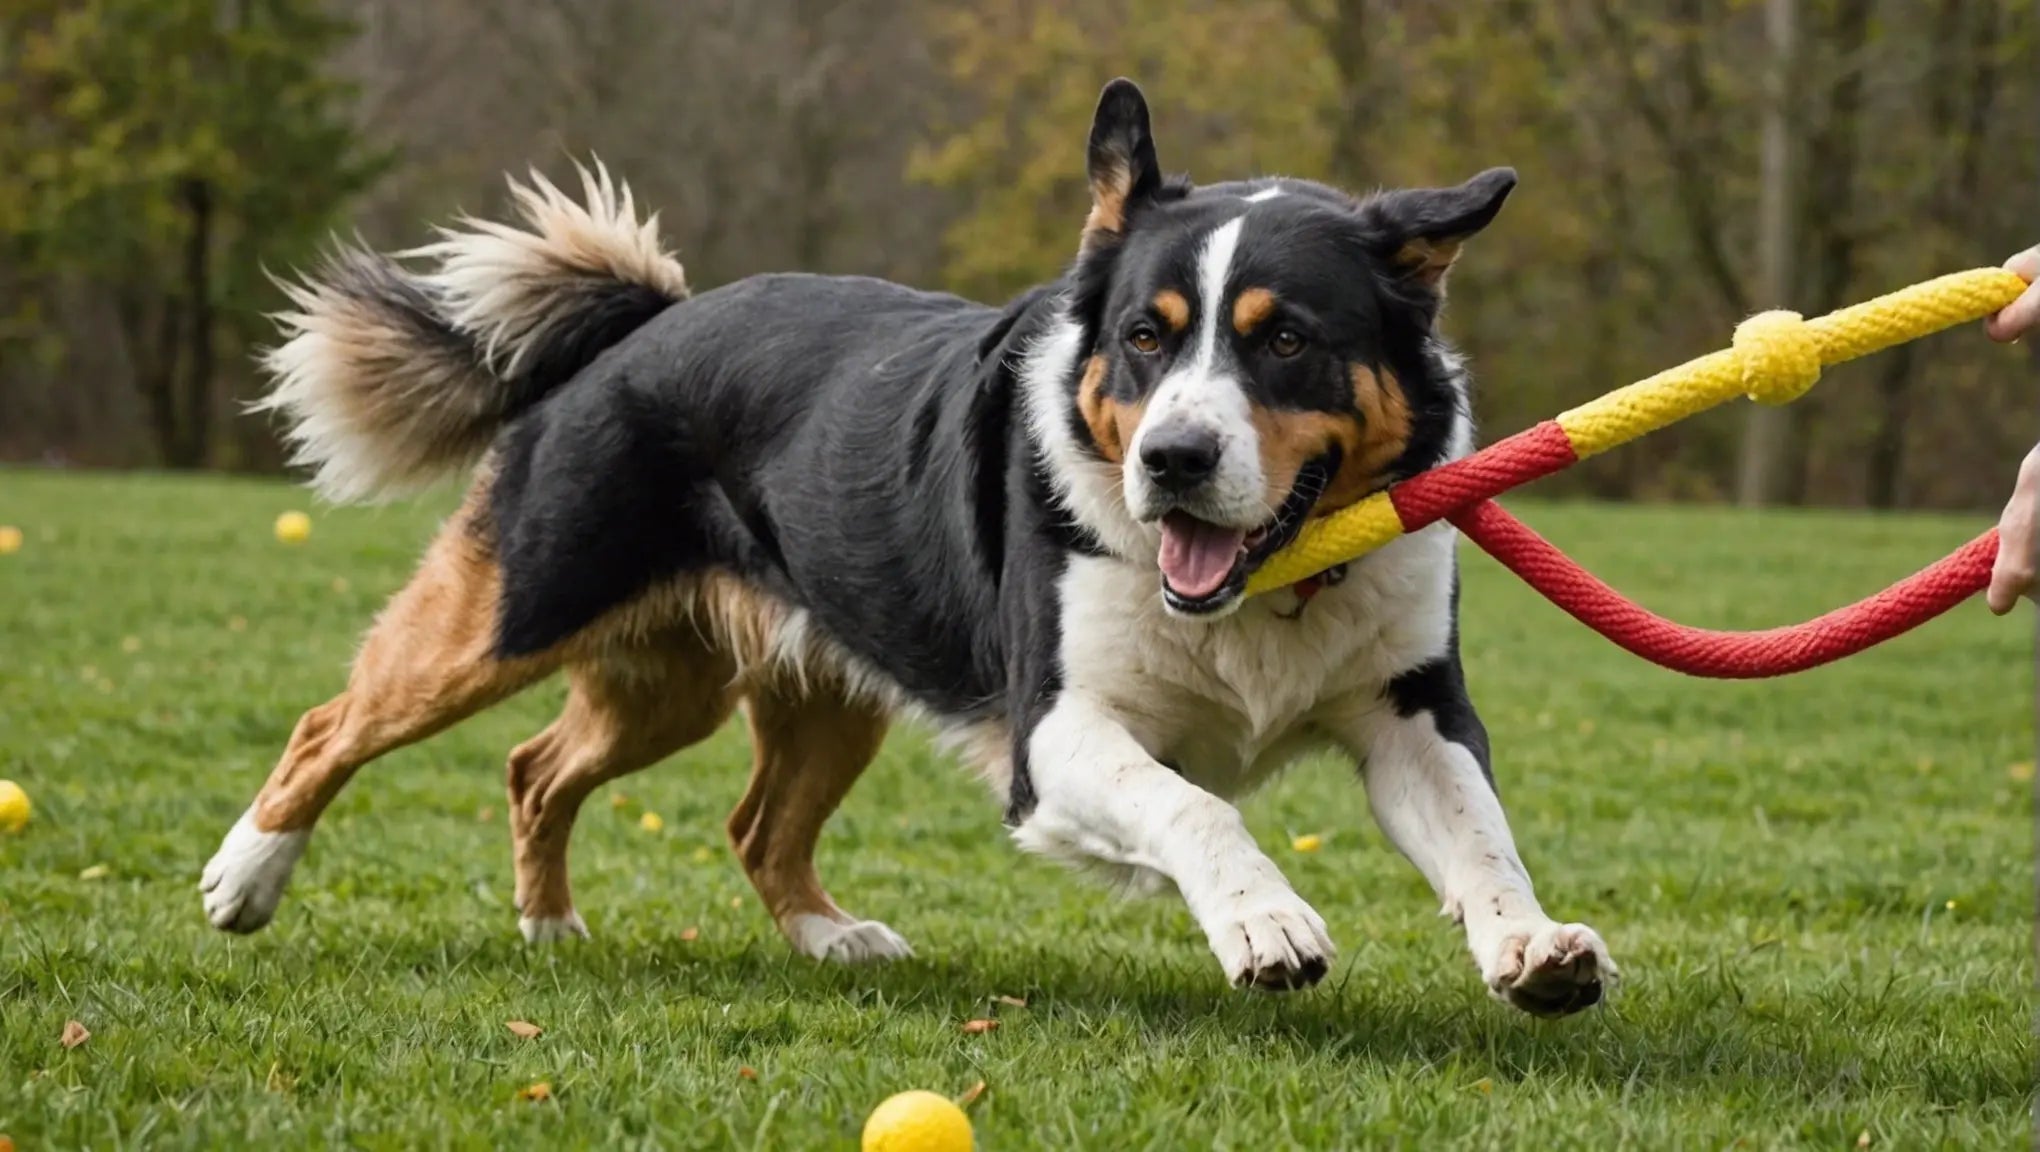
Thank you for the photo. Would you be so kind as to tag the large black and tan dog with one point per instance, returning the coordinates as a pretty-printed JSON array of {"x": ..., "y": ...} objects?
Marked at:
[{"x": 831, "y": 500}]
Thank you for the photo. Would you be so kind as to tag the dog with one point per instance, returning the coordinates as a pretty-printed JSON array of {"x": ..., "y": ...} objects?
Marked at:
[{"x": 835, "y": 500}]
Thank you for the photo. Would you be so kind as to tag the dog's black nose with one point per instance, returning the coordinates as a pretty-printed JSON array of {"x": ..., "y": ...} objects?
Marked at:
[{"x": 1180, "y": 457}]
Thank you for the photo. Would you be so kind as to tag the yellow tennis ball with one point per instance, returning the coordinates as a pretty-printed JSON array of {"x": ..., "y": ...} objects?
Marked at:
[
  {"x": 293, "y": 527},
  {"x": 10, "y": 539},
  {"x": 14, "y": 807},
  {"x": 917, "y": 1122}
]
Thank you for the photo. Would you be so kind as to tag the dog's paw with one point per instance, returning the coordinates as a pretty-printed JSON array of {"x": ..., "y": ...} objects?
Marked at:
[
  {"x": 244, "y": 881},
  {"x": 857, "y": 942},
  {"x": 548, "y": 929},
  {"x": 1549, "y": 969},
  {"x": 1272, "y": 941}
]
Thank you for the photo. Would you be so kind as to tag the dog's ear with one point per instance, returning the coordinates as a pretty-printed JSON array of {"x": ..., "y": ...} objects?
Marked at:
[
  {"x": 1418, "y": 231},
  {"x": 1123, "y": 171}
]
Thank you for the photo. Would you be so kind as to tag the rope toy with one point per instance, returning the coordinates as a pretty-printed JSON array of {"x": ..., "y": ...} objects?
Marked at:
[{"x": 1774, "y": 359}]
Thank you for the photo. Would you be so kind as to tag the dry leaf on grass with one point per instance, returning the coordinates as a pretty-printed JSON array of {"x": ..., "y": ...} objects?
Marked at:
[
  {"x": 6, "y": 1142},
  {"x": 523, "y": 1029},
  {"x": 74, "y": 1034},
  {"x": 484, "y": 814},
  {"x": 279, "y": 1081},
  {"x": 748, "y": 1072},
  {"x": 539, "y": 1091},
  {"x": 618, "y": 800},
  {"x": 978, "y": 1027},
  {"x": 689, "y": 935},
  {"x": 971, "y": 1095},
  {"x": 1011, "y": 1001}
]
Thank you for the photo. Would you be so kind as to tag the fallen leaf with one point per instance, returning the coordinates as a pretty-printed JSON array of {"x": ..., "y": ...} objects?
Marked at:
[
  {"x": 978, "y": 1027},
  {"x": 689, "y": 934},
  {"x": 484, "y": 814},
  {"x": 523, "y": 1029},
  {"x": 748, "y": 1072},
  {"x": 618, "y": 800},
  {"x": 74, "y": 1034},
  {"x": 651, "y": 822},
  {"x": 971, "y": 1095},
  {"x": 6, "y": 1142},
  {"x": 1308, "y": 843},
  {"x": 96, "y": 872},
  {"x": 1485, "y": 1086},
  {"x": 539, "y": 1091},
  {"x": 1011, "y": 1001},
  {"x": 280, "y": 1082},
  {"x": 2022, "y": 771}
]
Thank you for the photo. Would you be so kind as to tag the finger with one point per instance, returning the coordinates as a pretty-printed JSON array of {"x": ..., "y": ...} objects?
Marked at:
[
  {"x": 2023, "y": 314},
  {"x": 2018, "y": 318}
]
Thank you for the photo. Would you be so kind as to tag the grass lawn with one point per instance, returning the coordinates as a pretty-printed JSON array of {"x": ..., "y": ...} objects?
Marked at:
[{"x": 1821, "y": 889}]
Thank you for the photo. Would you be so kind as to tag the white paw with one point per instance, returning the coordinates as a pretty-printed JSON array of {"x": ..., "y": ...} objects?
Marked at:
[
  {"x": 1272, "y": 940},
  {"x": 1549, "y": 969},
  {"x": 546, "y": 929},
  {"x": 244, "y": 881},
  {"x": 858, "y": 942}
]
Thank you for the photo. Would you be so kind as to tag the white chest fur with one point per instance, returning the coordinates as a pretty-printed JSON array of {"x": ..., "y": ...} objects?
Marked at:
[{"x": 1230, "y": 701}]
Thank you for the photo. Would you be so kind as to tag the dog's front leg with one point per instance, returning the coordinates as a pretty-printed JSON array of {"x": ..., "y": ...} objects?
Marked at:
[
  {"x": 1101, "y": 798},
  {"x": 1424, "y": 756}
]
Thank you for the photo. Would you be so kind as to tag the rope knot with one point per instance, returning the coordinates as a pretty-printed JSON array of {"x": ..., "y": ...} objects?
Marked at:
[{"x": 1780, "y": 357}]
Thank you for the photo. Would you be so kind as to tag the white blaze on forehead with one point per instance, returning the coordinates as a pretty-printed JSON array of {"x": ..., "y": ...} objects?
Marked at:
[
  {"x": 1202, "y": 392},
  {"x": 1212, "y": 265}
]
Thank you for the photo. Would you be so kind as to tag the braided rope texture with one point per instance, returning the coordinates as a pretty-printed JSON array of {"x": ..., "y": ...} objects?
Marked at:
[{"x": 1774, "y": 359}]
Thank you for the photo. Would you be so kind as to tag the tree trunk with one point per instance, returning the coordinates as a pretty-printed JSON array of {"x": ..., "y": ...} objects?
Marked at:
[
  {"x": 1885, "y": 462},
  {"x": 1767, "y": 429},
  {"x": 194, "y": 447}
]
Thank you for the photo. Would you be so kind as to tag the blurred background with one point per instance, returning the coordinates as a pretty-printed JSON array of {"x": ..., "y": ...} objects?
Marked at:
[{"x": 1684, "y": 163}]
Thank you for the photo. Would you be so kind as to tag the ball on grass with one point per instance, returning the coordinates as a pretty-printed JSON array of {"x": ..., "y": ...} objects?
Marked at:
[
  {"x": 293, "y": 527},
  {"x": 14, "y": 807},
  {"x": 917, "y": 1122}
]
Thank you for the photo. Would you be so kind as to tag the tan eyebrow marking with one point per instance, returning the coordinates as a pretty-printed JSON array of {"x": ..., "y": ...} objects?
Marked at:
[
  {"x": 1175, "y": 310},
  {"x": 1250, "y": 308}
]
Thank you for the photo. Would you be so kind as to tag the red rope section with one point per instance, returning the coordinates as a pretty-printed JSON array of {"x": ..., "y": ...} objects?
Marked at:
[{"x": 1726, "y": 655}]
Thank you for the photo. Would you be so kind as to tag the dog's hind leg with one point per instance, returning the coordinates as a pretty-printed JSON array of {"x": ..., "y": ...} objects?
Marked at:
[
  {"x": 627, "y": 709},
  {"x": 427, "y": 664},
  {"x": 809, "y": 749}
]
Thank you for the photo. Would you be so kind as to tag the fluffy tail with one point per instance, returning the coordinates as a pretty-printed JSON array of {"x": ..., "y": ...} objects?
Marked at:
[{"x": 390, "y": 377}]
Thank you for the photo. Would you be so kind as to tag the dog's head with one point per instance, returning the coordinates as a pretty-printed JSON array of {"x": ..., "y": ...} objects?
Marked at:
[{"x": 1242, "y": 357}]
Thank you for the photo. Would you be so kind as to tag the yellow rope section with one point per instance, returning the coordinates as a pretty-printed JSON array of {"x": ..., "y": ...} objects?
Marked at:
[{"x": 1774, "y": 359}]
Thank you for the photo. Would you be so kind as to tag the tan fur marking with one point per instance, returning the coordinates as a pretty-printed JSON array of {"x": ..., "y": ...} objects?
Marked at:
[
  {"x": 807, "y": 752},
  {"x": 1250, "y": 308},
  {"x": 1109, "y": 191},
  {"x": 427, "y": 664},
  {"x": 1174, "y": 309},
  {"x": 625, "y": 711},
  {"x": 1112, "y": 424},
  {"x": 1370, "y": 439},
  {"x": 1428, "y": 260}
]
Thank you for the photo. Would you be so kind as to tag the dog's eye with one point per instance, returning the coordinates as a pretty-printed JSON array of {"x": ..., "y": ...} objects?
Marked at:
[
  {"x": 1144, "y": 340},
  {"x": 1285, "y": 343}
]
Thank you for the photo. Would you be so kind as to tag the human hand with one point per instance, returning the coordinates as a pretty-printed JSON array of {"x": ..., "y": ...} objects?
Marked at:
[
  {"x": 2022, "y": 315},
  {"x": 2012, "y": 576}
]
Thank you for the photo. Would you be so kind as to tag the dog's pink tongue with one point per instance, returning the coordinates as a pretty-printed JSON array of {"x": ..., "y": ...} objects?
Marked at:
[{"x": 1197, "y": 557}]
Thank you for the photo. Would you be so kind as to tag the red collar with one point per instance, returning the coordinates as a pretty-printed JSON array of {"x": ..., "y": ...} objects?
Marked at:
[{"x": 1310, "y": 586}]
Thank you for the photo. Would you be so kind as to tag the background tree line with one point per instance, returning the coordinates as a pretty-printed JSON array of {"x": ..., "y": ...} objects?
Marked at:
[{"x": 159, "y": 155}]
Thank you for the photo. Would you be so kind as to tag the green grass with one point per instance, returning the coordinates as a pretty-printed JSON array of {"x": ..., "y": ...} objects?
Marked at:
[{"x": 1821, "y": 889}]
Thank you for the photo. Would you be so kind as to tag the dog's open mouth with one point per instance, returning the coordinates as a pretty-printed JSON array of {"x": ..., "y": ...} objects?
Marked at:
[{"x": 1205, "y": 566}]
